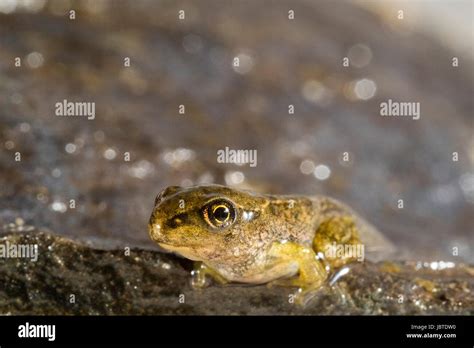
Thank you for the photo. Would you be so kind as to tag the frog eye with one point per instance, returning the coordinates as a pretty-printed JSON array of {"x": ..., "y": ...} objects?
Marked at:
[{"x": 219, "y": 213}]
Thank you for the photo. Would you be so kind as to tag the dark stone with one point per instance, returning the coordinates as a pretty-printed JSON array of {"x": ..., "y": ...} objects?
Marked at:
[{"x": 149, "y": 282}]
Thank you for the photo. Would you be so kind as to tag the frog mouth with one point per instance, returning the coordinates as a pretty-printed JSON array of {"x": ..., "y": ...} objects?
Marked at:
[{"x": 183, "y": 251}]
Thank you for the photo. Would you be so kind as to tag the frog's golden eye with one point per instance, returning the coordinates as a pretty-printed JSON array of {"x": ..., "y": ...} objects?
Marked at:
[{"x": 219, "y": 213}]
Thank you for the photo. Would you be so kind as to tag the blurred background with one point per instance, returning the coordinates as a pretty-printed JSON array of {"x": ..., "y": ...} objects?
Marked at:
[{"x": 190, "y": 62}]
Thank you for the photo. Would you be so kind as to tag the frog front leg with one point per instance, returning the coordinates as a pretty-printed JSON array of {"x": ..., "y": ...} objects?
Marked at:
[
  {"x": 311, "y": 272},
  {"x": 201, "y": 272}
]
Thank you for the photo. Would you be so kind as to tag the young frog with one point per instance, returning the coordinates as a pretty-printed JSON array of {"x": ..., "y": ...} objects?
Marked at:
[{"x": 245, "y": 237}]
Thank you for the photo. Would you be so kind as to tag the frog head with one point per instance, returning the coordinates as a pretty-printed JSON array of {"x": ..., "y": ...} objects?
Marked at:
[{"x": 205, "y": 223}]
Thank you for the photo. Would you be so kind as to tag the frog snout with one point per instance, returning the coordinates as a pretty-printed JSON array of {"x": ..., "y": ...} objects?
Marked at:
[
  {"x": 155, "y": 225},
  {"x": 155, "y": 231}
]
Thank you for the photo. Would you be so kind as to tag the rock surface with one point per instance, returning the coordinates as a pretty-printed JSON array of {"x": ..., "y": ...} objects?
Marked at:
[{"x": 147, "y": 282}]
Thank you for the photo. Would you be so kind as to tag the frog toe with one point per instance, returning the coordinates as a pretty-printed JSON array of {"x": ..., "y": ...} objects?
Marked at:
[{"x": 201, "y": 274}]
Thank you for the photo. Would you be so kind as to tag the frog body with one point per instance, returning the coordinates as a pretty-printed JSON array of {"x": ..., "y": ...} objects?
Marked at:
[{"x": 240, "y": 236}]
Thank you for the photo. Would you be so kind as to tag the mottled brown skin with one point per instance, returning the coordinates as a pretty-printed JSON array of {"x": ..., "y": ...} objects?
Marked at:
[{"x": 280, "y": 239}]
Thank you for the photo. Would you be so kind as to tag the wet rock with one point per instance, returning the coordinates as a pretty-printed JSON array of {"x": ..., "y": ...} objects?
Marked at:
[{"x": 150, "y": 282}]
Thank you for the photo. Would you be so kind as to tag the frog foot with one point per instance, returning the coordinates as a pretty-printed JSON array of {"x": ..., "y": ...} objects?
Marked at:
[
  {"x": 311, "y": 275},
  {"x": 201, "y": 273},
  {"x": 305, "y": 291}
]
